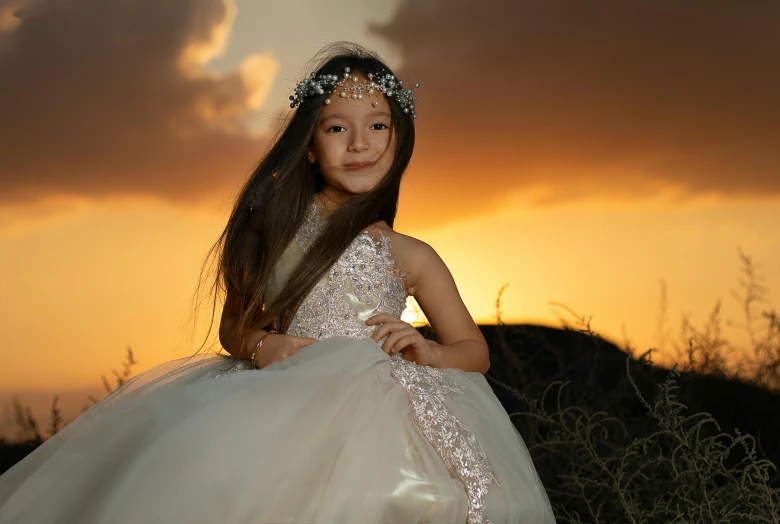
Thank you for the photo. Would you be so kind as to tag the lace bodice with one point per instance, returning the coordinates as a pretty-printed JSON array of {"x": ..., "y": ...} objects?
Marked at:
[{"x": 364, "y": 281}]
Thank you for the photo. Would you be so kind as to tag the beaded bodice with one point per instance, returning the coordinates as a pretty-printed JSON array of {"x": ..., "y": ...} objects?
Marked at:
[{"x": 364, "y": 281}]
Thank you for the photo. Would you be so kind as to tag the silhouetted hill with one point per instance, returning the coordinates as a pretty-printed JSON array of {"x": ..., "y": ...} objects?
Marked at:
[{"x": 596, "y": 371}]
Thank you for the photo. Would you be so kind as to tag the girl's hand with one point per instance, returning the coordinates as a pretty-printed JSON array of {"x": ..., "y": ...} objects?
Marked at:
[
  {"x": 402, "y": 337},
  {"x": 277, "y": 347}
]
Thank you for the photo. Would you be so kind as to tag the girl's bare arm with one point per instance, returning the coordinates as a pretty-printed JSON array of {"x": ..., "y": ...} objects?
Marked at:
[{"x": 462, "y": 343}]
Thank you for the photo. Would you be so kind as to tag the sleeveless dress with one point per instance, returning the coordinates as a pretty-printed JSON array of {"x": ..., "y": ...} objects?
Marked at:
[{"x": 339, "y": 433}]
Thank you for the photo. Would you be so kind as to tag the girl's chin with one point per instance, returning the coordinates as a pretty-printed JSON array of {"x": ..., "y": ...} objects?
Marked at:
[{"x": 357, "y": 187}]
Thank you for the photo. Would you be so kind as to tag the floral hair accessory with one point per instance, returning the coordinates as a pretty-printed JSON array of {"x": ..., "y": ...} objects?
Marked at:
[{"x": 387, "y": 84}]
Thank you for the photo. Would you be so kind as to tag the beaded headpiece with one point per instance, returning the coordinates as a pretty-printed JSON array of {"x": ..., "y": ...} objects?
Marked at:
[{"x": 315, "y": 85}]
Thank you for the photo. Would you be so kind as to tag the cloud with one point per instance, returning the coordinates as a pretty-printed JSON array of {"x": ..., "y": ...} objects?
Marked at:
[
  {"x": 559, "y": 100},
  {"x": 103, "y": 99},
  {"x": 593, "y": 98}
]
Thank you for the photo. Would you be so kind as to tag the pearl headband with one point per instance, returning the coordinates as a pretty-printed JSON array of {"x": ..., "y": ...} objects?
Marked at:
[{"x": 387, "y": 84}]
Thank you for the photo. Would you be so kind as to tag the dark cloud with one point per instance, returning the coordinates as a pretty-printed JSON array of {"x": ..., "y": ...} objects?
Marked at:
[
  {"x": 608, "y": 97},
  {"x": 572, "y": 98},
  {"x": 104, "y": 98}
]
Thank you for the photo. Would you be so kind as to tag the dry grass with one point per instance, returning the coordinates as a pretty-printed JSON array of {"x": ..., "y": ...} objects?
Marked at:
[{"x": 603, "y": 460}]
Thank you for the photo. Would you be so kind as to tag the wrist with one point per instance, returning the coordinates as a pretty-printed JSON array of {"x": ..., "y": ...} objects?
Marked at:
[
  {"x": 250, "y": 343},
  {"x": 435, "y": 353},
  {"x": 259, "y": 344}
]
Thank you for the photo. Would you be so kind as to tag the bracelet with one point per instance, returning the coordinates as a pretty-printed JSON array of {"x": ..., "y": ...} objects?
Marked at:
[{"x": 259, "y": 345}]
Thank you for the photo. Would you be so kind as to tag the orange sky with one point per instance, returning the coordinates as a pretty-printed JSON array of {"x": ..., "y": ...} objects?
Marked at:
[{"x": 578, "y": 155}]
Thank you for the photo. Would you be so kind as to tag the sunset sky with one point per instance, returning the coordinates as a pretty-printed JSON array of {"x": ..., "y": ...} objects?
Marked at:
[{"x": 580, "y": 152}]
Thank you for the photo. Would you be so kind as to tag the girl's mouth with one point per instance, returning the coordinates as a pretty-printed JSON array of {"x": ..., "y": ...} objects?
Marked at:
[{"x": 356, "y": 166}]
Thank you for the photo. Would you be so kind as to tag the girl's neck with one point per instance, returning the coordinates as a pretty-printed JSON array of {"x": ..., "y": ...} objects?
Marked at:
[{"x": 326, "y": 204}]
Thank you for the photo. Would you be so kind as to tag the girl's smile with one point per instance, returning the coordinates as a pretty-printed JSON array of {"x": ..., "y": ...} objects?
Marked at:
[{"x": 357, "y": 166}]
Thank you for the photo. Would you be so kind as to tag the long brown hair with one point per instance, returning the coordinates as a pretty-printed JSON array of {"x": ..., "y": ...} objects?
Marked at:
[{"x": 272, "y": 205}]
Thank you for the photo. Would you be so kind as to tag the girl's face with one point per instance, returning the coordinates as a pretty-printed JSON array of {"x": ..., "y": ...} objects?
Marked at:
[{"x": 349, "y": 131}]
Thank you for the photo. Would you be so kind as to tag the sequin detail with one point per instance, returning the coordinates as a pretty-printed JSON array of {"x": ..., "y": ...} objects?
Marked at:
[
  {"x": 366, "y": 270},
  {"x": 453, "y": 441}
]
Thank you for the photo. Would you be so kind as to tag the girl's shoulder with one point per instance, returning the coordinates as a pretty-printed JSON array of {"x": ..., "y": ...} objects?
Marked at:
[{"x": 408, "y": 252}]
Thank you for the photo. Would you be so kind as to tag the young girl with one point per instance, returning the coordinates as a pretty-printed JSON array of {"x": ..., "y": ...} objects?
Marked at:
[{"x": 330, "y": 408}]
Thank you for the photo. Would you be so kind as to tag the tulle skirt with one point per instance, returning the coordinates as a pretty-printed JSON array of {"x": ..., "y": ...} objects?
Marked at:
[{"x": 330, "y": 435}]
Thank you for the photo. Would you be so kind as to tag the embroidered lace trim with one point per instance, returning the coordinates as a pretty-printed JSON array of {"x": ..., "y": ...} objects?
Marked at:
[{"x": 453, "y": 441}]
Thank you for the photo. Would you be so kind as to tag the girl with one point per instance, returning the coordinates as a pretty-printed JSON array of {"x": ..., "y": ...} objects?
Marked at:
[{"x": 330, "y": 409}]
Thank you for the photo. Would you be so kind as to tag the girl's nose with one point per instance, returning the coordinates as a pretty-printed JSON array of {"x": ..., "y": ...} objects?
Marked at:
[{"x": 359, "y": 142}]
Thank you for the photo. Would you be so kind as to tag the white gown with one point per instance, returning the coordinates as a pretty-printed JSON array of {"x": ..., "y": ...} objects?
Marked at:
[{"x": 338, "y": 433}]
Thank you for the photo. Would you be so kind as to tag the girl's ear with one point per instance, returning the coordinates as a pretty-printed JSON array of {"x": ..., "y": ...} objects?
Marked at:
[{"x": 312, "y": 157}]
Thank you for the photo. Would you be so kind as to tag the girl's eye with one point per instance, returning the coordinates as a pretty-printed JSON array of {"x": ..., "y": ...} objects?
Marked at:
[{"x": 377, "y": 124}]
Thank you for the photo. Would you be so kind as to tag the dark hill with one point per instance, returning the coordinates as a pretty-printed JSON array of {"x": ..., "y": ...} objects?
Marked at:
[{"x": 529, "y": 357}]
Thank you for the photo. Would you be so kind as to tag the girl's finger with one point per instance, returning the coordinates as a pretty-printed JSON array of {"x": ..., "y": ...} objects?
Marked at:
[
  {"x": 402, "y": 342},
  {"x": 394, "y": 337},
  {"x": 388, "y": 344},
  {"x": 399, "y": 345},
  {"x": 381, "y": 331}
]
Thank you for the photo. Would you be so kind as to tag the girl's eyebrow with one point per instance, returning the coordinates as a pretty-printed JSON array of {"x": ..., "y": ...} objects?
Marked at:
[{"x": 342, "y": 115}]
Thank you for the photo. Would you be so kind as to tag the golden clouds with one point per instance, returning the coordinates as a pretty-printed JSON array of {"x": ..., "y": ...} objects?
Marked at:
[
  {"x": 608, "y": 99},
  {"x": 103, "y": 99}
]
